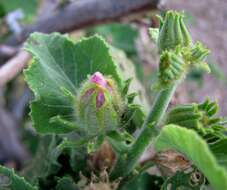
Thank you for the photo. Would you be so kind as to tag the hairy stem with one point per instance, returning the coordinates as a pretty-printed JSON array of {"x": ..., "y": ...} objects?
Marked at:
[
  {"x": 126, "y": 163},
  {"x": 160, "y": 105}
]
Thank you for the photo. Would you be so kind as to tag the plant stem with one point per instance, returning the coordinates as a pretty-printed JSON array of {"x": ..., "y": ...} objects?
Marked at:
[
  {"x": 160, "y": 105},
  {"x": 127, "y": 162}
]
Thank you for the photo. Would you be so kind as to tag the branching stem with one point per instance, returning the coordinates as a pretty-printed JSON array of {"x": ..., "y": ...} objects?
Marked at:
[{"x": 126, "y": 163}]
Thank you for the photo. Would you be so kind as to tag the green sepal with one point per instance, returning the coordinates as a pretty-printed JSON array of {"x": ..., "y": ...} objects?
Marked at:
[
  {"x": 198, "y": 53},
  {"x": 172, "y": 68},
  {"x": 126, "y": 87},
  {"x": 173, "y": 32},
  {"x": 196, "y": 56},
  {"x": 131, "y": 97},
  {"x": 98, "y": 120}
]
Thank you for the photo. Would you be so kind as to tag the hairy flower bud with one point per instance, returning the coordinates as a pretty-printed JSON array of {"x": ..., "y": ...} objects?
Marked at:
[
  {"x": 173, "y": 32},
  {"x": 99, "y": 104},
  {"x": 178, "y": 53},
  {"x": 200, "y": 117},
  {"x": 194, "y": 115},
  {"x": 198, "y": 53},
  {"x": 171, "y": 68}
]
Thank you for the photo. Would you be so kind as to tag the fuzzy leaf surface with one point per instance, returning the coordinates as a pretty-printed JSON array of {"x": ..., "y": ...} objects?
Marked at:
[
  {"x": 219, "y": 150},
  {"x": 58, "y": 68}
]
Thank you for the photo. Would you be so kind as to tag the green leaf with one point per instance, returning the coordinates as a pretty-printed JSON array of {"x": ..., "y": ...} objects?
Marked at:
[
  {"x": 66, "y": 183},
  {"x": 122, "y": 36},
  {"x": 12, "y": 181},
  {"x": 195, "y": 149},
  {"x": 58, "y": 68},
  {"x": 45, "y": 162},
  {"x": 220, "y": 151}
]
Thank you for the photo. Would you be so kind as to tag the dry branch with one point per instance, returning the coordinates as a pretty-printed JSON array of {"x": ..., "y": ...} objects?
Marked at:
[
  {"x": 74, "y": 16},
  {"x": 83, "y": 13},
  {"x": 11, "y": 68}
]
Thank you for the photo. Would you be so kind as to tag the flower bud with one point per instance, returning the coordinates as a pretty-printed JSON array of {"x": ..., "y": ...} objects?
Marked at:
[
  {"x": 197, "y": 116},
  {"x": 99, "y": 104},
  {"x": 173, "y": 32},
  {"x": 178, "y": 53},
  {"x": 171, "y": 67},
  {"x": 197, "y": 56},
  {"x": 198, "y": 53}
]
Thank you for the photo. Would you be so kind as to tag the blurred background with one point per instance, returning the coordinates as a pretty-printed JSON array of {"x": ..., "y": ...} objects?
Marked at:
[{"x": 124, "y": 24}]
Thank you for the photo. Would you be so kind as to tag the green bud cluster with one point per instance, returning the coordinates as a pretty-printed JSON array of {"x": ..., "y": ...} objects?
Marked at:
[
  {"x": 173, "y": 32},
  {"x": 200, "y": 117},
  {"x": 178, "y": 53}
]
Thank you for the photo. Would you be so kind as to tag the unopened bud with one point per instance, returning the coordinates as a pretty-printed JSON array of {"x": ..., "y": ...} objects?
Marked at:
[
  {"x": 173, "y": 32},
  {"x": 171, "y": 68},
  {"x": 197, "y": 116},
  {"x": 99, "y": 104}
]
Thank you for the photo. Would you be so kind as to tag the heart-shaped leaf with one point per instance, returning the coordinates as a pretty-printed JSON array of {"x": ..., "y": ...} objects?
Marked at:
[{"x": 58, "y": 68}]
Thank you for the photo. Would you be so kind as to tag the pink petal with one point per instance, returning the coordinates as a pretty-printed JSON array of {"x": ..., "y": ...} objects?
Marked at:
[
  {"x": 100, "y": 99},
  {"x": 88, "y": 93},
  {"x": 98, "y": 79}
]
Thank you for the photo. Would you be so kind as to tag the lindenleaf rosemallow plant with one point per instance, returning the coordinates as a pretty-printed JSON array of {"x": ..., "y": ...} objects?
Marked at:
[{"x": 95, "y": 128}]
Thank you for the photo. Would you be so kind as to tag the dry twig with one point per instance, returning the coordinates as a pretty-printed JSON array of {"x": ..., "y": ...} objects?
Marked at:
[
  {"x": 83, "y": 13},
  {"x": 11, "y": 68},
  {"x": 74, "y": 16}
]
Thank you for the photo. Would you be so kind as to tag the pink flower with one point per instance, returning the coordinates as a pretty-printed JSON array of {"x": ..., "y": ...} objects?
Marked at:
[
  {"x": 101, "y": 84},
  {"x": 98, "y": 79}
]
